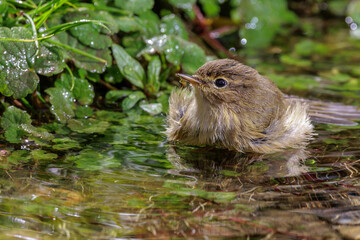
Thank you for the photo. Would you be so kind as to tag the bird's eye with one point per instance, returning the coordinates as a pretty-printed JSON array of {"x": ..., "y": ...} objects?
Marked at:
[{"x": 220, "y": 82}]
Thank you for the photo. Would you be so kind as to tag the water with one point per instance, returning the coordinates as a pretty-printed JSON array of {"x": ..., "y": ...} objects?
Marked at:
[{"x": 139, "y": 186}]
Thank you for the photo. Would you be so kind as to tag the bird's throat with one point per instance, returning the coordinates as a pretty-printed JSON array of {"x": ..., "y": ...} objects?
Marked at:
[{"x": 208, "y": 121}]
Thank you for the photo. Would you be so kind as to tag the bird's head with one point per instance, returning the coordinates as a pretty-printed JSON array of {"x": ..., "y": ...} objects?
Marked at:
[{"x": 229, "y": 81}]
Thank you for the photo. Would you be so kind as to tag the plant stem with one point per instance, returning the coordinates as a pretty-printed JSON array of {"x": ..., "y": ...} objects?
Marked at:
[
  {"x": 27, "y": 104},
  {"x": 25, "y": 40},
  {"x": 34, "y": 32},
  {"x": 78, "y": 51},
  {"x": 41, "y": 98},
  {"x": 44, "y": 16},
  {"x": 72, "y": 77}
]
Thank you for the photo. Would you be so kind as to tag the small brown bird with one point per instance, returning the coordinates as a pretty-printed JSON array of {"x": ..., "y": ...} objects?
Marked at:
[{"x": 231, "y": 105}]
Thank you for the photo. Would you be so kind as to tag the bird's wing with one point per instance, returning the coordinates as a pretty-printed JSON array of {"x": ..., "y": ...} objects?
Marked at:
[{"x": 330, "y": 112}]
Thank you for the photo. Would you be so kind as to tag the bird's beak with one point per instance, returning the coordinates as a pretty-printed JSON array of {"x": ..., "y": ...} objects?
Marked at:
[{"x": 189, "y": 79}]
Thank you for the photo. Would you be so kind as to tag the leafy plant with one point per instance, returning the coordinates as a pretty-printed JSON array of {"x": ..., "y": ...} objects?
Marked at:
[{"x": 64, "y": 49}]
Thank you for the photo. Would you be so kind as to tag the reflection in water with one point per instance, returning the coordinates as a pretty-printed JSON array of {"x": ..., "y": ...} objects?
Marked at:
[
  {"x": 277, "y": 181},
  {"x": 211, "y": 161},
  {"x": 117, "y": 189}
]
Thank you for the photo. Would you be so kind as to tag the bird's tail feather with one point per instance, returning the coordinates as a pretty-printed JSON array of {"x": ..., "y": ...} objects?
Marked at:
[{"x": 331, "y": 113}]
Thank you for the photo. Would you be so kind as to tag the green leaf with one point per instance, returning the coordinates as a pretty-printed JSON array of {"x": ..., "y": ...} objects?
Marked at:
[
  {"x": 309, "y": 48},
  {"x": 129, "y": 24},
  {"x": 50, "y": 60},
  {"x": 19, "y": 156},
  {"x": 11, "y": 121},
  {"x": 17, "y": 60},
  {"x": 83, "y": 112},
  {"x": 164, "y": 100},
  {"x": 132, "y": 43},
  {"x": 114, "y": 95},
  {"x": 88, "y": 125},
  {"x": 149, "y": 21},
  {"x": 219, "y": 197},
  {"x": 353, "y": 10},
  {"x": 184, "y": 4},
  {"x": 135, "y": 6},
  {"x": 90, "y": 159},
  {"x": 152, "y": 108},
  {"x": 110, "y": 20},
  {"x": 193, "y": 58},
  {"x": 310, "y": 162},
  {"x": 109, "y": 116},
  {"x": 117, "y": 139},
  {"x": 62, "y": 103},
  {"x": 166, "y": 73},
  {"x": 82, "y": 73},
  {"x": 335, "y": 141},
  {"x": 177, "y": 51},
  {"x": 172, "y": 25},
  {"x": 295, "y": 61},
  {"x": 154, "y": 69},
  {"x": 43, "y": 155},
  {"x": 210, "y": 7},
  {"x": 94, "y": 77},
  {"x": 72, "y": 24},
  {"x": 230, "y": 173},
  {"x": 128, "y": 66},
  {"x": 14, "y": 134},
  {"x": 169, "y": 45},
  {"x": 263, "y": 20},
  {"x": 83, "y": 91},
  {"x": 14, "y": 117},
  {"x": 88, "y": 34},
  {"x": 337, "y": 77},
  {"x": 113, "y": 75},
  {"x": 37, "y": 132},
  {"x": 62, "y": 144},
  {"x": 320, "y": 169},
  {"x": 131, "y": 100},
  {"x": 90, "y": 64},
  {"x": 65, "y": 82},
  {"x": 56, "y": 127},
  {"x": 300, "y": 82},
  {"x": 173, "y": 50},
  {"x": 3, "y": 8},
  {"x": 72, "y": 45}
]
